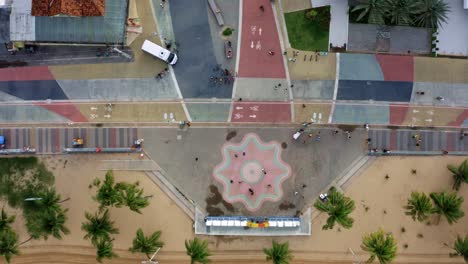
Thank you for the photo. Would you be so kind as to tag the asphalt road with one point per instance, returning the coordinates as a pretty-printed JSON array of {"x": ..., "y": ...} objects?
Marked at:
[{"x": 196, "y": 55}]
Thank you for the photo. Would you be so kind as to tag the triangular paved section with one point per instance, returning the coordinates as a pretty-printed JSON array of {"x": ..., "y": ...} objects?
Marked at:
[{"x": 67, "y": 110}]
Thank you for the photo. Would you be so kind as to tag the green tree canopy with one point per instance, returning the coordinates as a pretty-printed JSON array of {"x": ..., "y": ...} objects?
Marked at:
[
  {"x": 105, "y": 249},
  {"x": 108, "y": 194},
  {"x": 48, "y": 223},
  {"x": 432, "y": 13},
  {"x": 279, "y": 253},
  {"x": 198, "y": 251},
  {"x": 448, "y": 205},
  {"x": 419, "y": 206},
  {"x": 132, "y": 196},
  {"x": 374, "y": 9},
  {"x": 146, "y": 244},
  {"x": 461, "y": 248},
  {"x": 460, "y": 174},
  {"x": 98, "y": 226},
  {"x": 380, "y": 245},
  {"x": 6, "y": 221},
  {"x": 338, "y": 207},
  {"x": 9, "y": 244},
  {"x": 400, "y": 12}
]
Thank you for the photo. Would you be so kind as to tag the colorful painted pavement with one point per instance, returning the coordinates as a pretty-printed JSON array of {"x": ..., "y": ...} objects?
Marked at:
[
  {"x": 252, "y": 172},
  {"x": 261, "y": 112},
  {"x": 259, "y": 37},
  {"x": 430, "y": 140}
]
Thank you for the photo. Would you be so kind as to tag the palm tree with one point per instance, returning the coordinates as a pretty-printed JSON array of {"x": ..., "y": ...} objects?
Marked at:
[
  {"x": 338, "y": 208},
  {"x": 375, "y": 9},
  {"x": 6, "y": 221},
  {"x": 48, "y": 223},
  {"x": 105, "y": 249},
  {"x": 98, "y": 226},
  {"x": 197, "y": 250},
  {"x": 50, "y": 200},
  {"x": 109, "y": 194},
  {"x": 380, "y": 245},
  {"x": 419, "y": 206},
  {"x": 8, "y": 244},
  {"x": 400, "y": 11},
  {"x": 460, "y": 174},
  {"x": 146, "y": 245},
  {"x": 53, "y": 223},
  {"x": 432, "y": 13},
  {"x": 278, "y": 253},
  {"x": 133, "y": 197},
  {"x": 461, "y": 248},
  {"x": 448, "y": 205}
]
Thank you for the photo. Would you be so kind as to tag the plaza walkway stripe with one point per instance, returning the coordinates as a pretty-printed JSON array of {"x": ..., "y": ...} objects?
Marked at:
[
  {"x": 67, "y": 110},
  {"x": 393, "y": 139},
  {"x": 7, "y": 134},
  {"x": 26, "y": 73},
  {"x": 56, "y": 136},
  {"x": 450, "y": 139},
  {"x": 39, "y": 140},
  {"x": 16, "y": 137},
  {"x": 260, "y": 35},
  {"x": 113, "y": 137},
  {"x": 396, "y": 68}
]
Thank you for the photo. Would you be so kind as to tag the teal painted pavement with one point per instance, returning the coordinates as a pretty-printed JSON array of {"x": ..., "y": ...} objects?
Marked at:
[
  {"x": 206, "y": 112},
  {"x": 361, "y": 114},
  {"x": 28, "y": 113},
  {"x": 360, "y": 67}
]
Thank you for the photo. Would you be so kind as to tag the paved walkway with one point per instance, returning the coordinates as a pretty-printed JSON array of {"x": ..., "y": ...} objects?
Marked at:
[
  {"x": 339, "y": 23},
  {"x": 431, "y": 140},
  {"x": 259, "y": 37}
]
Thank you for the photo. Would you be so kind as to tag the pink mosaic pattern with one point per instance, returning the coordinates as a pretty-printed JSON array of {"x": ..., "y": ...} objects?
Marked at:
[{"x": 252, "y": 172}]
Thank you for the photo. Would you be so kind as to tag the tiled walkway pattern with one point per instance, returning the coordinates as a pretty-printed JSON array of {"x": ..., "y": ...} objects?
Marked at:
[{"x": 53, "y": 140}]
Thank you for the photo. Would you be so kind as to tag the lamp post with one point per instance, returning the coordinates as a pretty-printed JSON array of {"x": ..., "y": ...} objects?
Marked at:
[{"x": 150, "y": 261}]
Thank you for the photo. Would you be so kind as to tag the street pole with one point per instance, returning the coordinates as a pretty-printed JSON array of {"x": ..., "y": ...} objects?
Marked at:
[
  {"x": 157, "y": 250},
  {"x": 32, "y": 199}
]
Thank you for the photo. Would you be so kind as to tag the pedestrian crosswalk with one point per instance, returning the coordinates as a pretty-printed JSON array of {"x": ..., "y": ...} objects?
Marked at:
[
  {"x": 53, "y": 140},
  {"x": 424, "y": 140}
]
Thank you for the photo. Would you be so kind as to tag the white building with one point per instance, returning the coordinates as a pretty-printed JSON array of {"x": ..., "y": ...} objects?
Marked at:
[{"x": 453, "y": 36}]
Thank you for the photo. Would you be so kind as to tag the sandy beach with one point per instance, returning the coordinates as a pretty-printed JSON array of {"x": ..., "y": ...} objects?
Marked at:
[{"x": 383, "y": 197}]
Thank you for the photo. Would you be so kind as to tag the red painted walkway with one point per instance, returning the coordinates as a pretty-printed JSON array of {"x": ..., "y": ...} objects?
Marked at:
[
  {"x": 26, "y": 74},
  {"x": 398, "y": 114},
  {"x": 396, "y": 68},
  {"x": 67, "y": 110},
  {"x": 260, "y": 35},
  {"x": 261, "y": 112}
]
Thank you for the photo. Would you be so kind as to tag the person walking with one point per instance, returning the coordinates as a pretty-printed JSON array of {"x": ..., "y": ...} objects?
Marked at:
[{"x": 262, "y": 8}]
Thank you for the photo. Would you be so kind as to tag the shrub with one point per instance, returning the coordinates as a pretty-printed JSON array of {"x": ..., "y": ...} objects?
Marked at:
[{"x": 228, "y": 31}]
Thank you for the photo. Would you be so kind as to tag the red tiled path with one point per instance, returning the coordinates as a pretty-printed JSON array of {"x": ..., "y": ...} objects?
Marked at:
[
  {"x": 261, "y": 112},
  {"x": 67, "y": 110},
  {"x": 460, "y": 119},
  {"x": 396, "y": 68},
  {"x": 26, "y": 74},
  {"x": 398, "y": 114},
  {"x": 260, "y": 35}
]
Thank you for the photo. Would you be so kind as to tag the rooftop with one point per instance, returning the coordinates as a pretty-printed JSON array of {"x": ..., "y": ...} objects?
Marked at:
[{"x": 68, "y": 7}]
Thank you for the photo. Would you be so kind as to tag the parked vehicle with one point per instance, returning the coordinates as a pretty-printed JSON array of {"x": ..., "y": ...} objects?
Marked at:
[
  {"x": 159, "y": 52},
  {"x": 77, "y": 142},
  {"x": 2, "y": 142}
]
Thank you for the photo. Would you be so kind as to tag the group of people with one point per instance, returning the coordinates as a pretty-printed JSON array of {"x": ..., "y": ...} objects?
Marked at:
[{"x": 160, "y": 75}]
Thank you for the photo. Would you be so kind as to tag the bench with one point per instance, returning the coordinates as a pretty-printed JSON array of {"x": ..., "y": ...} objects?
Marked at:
[{"x": 217, "y": 12}]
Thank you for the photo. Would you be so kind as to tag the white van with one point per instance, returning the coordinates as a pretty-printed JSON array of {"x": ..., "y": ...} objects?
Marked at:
[{"x": 159, "y": 52}]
